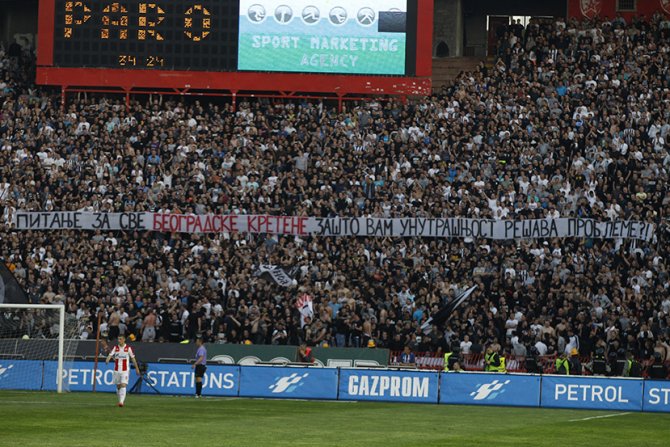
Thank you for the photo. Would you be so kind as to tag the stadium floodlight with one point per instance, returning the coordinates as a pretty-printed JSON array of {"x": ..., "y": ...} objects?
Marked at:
[{"x": 38, "y": 332}]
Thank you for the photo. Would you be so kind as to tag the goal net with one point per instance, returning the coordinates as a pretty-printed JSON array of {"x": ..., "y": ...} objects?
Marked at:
[{"x": 37, "y": 341}]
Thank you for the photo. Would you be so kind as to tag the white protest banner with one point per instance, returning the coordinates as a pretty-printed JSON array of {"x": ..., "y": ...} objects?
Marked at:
[{"x": 452, "y": 227}]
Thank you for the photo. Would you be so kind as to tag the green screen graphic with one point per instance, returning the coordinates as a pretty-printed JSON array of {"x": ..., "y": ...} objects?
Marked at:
[{"x": 327, "y": 36}]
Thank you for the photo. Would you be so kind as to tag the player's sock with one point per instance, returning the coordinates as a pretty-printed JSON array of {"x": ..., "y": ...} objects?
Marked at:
[
  {"x": 118, "y": 394},
  {"x": 122, "y": 395},
  {"x": 198, "y": 388}
]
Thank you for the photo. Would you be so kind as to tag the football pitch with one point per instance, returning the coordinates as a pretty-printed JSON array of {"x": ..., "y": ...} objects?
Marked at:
[{"x": 83, "y": 419}]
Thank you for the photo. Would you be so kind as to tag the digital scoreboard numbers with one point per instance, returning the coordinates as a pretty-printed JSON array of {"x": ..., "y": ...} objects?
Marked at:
[
  {"x": 324, "y": 36},
  {"x": 198, "y": 35}
]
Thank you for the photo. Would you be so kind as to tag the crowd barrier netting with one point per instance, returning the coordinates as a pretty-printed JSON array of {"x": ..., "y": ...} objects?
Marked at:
[{"x": 358, "y": 384}]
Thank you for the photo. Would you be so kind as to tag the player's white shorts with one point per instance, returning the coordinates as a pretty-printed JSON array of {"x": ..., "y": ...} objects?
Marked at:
[{"x": 121, "y": 378}]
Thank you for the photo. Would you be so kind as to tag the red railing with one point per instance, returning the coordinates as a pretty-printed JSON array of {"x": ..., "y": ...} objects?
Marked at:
[{"x": 475, "y": 362}]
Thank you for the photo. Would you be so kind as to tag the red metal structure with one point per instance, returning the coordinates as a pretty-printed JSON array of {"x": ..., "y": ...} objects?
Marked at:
[{"x": 233, "y": 84}]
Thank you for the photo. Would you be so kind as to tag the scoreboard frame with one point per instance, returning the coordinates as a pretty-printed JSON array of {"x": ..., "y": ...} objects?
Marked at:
[{"x": 235, "y": 82}]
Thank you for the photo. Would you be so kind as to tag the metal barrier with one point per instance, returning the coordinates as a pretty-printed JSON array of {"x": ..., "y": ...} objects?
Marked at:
[{"x": 515, "y": 364}]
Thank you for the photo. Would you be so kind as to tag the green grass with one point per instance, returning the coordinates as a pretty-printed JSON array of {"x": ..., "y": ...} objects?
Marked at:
[{"x": 82, "y": 419}]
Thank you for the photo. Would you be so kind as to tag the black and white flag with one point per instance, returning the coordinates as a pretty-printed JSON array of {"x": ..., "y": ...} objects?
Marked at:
[
  {"x": 276, "y": 274},
  {"x": 443, "y": 314},
  {"x": 11, "y": 291}
]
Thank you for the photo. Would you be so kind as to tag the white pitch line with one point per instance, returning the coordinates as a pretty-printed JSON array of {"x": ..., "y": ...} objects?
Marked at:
[{"x": 599, "y": 417}]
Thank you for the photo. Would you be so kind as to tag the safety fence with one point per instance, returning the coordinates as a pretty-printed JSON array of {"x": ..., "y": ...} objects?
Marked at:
[{"x": 358, "y": 384}]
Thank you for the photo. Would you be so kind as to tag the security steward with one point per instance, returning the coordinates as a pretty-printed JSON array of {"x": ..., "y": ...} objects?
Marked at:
[
  {"x": 494, "y": 362},
  {"x": 563, "y": 365}
]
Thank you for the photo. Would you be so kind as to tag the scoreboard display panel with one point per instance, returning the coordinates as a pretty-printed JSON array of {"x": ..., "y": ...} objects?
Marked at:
[
  {"x": 141, "y": 34},
  {"x": 308, "y": 36},
  {"x": 331, "y": 36}
]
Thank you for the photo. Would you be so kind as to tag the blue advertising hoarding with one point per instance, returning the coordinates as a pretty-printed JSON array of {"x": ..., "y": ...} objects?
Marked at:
[
  {"x": 288, "y": 383},
  {"x": 656, "y": 396},
  {"x": 219, "y": 380},
  {"x": 78, "y": 376},
  {"x": 595, "y": 393},
  {"x": 392, "y": 386},
  {"x": 490, "y": 389},
  {"x": 591, "y": 393},
  {"x": 21, "y": 375}
]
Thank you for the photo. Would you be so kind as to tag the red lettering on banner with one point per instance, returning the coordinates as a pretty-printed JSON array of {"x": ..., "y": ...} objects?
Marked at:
[
  {"x": 301, "y": 225},
  {"x": 173, "y": 224},
  {"x": 251, "y": 224},
  {"x": 190, "y": 223},
  {"x": 208, "y": 224},
  {"x": 263, "y": 224},
  {"x": 156, "y": 222},
  {"x": 284, "y": 225}
]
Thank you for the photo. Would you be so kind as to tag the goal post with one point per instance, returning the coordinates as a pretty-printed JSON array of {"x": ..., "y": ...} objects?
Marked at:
[{"x": 39, "y": 332}]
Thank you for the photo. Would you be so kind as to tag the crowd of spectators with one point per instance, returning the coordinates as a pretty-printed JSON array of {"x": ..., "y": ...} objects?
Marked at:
[{"x": 573, "y": 119}]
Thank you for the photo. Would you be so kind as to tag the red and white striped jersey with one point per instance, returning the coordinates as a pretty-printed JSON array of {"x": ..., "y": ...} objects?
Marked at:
[{"x": 122, "y": 356}]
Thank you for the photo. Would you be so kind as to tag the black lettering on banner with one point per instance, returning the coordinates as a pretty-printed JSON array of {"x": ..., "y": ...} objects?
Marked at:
[
  {"x": 339, "y": 226},
  {"x": 403, "y": 227},
  {"x": 518, "y": 230},
  {"x": 467, "y": 230},
  {"x": 454, "y": 231},
  {"x": 441, "y": 228},
  {"x": 544, "y": 228},
  {"x": 130, "y": 221},
  {"x": 370, "y": 227},
  {"x": 509, "y": 229},
  {"x": 644, "y": 230},
  {"x": 649, "y": 233},
  {"x": 357, "y": 224},
  {"x": 388, "y": 226},
  {"x": 36, "y": 218},
  {"x": 412, "y": 226},
  {"x": 376, "y": 227},
  {"x": 22, "y": 221},
  {"x": 422, "y": 226},
  {"x": 475, "y": 228},
  {"x": 617, "y": 231},
  {"x": 572, "y": 227},
  {"x": 56, "y": 221},
  {"x": 101, "y": 221},
  {"x": 587, "y": 227},
  {"x": 321, "y": 225}
]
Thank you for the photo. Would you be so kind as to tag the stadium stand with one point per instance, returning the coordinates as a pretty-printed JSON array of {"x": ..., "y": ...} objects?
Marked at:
[{"x": 571, "y": 120}]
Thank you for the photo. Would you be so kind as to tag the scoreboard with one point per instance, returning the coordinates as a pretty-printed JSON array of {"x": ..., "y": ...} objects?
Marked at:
[
  {"x": 233, "y": 43},
  {"x": 137, "y": 34}
]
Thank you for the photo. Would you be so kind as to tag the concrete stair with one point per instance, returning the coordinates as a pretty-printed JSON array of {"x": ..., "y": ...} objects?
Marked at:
[{"x": 446, "y": 69}]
